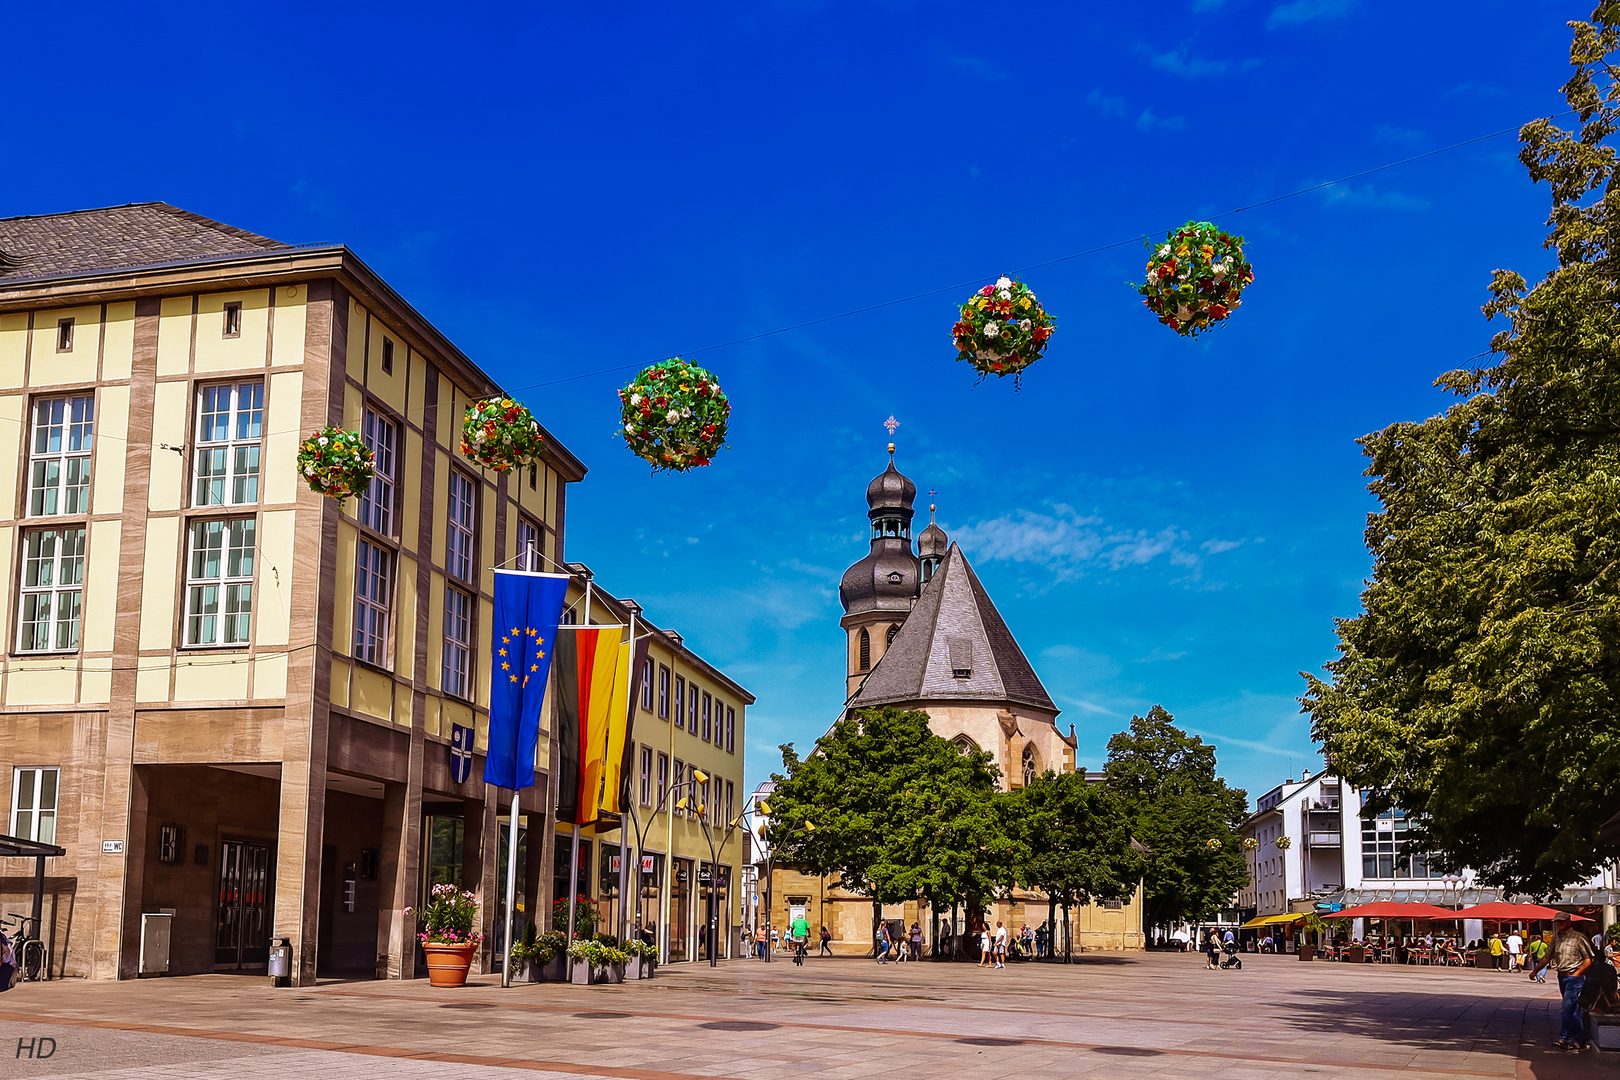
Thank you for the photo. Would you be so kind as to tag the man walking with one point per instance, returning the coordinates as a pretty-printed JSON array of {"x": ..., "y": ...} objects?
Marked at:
[
  {"x": 1001, "y": 945},
  {"x": 1515, "y": 947},
  {"x": 1571, "y": 956}
]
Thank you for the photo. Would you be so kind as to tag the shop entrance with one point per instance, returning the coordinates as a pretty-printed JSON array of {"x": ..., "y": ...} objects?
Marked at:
[{"x": 243, "y": 937}]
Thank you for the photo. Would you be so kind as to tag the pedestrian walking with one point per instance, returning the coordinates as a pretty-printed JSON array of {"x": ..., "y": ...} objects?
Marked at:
[
  {"x": 1571, "y": 957},
  {"x": 1212, "y": 949},
  {"x": 1001, "y": 945},
  {"x": 1041, "y": 934},
  {"x": 1515, "y": 947},
  {"x": 776, "y": 943},
  {"x": 826, "y": 942},
  {"x": 945, "y": 936},
  {"x": 916, "y": 942},
  {"x": 882, "y": 946},
  {"x": 1498, "y": 952},
  {"x": 760, "y": 942},
  {"x": 984, "y": 945}
]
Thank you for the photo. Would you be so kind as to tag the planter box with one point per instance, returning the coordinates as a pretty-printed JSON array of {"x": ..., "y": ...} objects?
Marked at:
[
  {"x": 632, "y": 970},
  {"x": 1356, "y": 954},
  {"x": 555, "y": 969},
  {"x": 1307, "y": 952},
  {"x": 582, "y": 973},
  {"x": 612, "y": 973}
]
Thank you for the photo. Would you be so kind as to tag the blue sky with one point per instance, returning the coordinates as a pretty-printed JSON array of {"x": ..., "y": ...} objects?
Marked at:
[{"x": 568, "y": 188}]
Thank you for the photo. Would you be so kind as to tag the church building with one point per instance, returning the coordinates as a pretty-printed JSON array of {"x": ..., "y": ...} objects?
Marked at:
[{"x": 923, "y": 634}]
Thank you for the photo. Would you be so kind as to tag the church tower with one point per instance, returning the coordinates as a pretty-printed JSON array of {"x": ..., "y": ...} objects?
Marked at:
[{"x": 879, "y": 591}]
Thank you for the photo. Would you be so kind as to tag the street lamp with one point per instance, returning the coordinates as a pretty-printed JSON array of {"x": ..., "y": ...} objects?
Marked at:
[
  {"x": 762, "y": 808},
  {"x": 641, "y": 841}
]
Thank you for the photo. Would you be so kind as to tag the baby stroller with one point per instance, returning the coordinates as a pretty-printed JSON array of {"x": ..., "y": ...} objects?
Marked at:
[{"x": 1231, "y": 959}]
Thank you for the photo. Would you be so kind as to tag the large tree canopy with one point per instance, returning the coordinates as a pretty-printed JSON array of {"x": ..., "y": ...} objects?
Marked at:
[
  {"x": 1073, "y": 839},
  {"x": 1478, "y": 687},
  {"x": 1165, "y": 779}
]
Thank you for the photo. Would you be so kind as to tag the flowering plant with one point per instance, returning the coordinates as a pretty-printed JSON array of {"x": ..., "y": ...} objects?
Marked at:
[
  {"x": 585, "y": 915},
  {"x": 499, "y": 433},
  {"x": 644, "y": 949},
  {"x": 335, "y": 462},
  {"x": 674, "y": 415},
  {"x": 1250, "y": 843},
  {"x": 1003, "y": 329},
  {"x": 1213, "y": 845},
  {"x": 449, "y": 918},
  {"x": 1196, "y": 278},
  {"x": 596, "y": 953},
  {"x": 1285, "y": 842},
  {"x": 540, "y": 948}
]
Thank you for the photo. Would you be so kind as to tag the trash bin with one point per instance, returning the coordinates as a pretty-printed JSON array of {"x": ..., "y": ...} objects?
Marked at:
[{"x": 280, "y": 962}]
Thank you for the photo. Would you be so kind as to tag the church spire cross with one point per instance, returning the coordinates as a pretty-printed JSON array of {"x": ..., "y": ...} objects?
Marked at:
[{"x": 891, "y": 423}]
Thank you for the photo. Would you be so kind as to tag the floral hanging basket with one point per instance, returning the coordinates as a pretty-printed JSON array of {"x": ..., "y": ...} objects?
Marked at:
[
  {"x": 674, "y": 415},
  {"x": 1285, "y": 842},
  {"x": 1196, "y": 278},
  {"x": 1250, "y": 843},
  {"x": 500, "y": 434},
  {"x": 335, "y": 462},
  {"x": 1002, "y": 329},
  {"x": 1213, "y": 845}
]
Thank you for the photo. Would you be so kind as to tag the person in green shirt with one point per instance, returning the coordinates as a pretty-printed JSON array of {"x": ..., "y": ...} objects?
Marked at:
[
  {"x": 1538, "y": 954},
  {"x": 799, "y": 931}
]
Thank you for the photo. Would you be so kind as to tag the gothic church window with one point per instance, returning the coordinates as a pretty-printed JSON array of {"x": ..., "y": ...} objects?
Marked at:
[
  {"x": 866, "y": 650},
  {"x": 889, "y": 638},
  {"x": 1031, "y": 766},
  {"x": 965, "y": 745}
]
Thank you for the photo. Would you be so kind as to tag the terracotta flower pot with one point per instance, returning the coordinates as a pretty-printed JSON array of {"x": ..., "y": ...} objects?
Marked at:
[{"x": 447, "y": 964}]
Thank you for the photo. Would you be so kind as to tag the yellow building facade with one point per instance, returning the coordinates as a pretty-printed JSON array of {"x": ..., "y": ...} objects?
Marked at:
[{"x": 232, "y": 701}]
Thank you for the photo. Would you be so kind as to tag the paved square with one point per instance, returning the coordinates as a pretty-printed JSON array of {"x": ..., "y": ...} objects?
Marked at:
[{"x": 1111, "y": 1015}]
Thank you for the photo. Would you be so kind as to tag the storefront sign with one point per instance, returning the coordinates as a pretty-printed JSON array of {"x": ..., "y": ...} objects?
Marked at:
[{"x": 647, "y": 864}]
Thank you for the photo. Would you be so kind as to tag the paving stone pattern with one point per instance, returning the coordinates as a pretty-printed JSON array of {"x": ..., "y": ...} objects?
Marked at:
[{"x": 1111, "y": 1015}]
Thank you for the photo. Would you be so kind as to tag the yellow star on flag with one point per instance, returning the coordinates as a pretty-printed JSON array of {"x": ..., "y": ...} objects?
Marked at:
[
  {"x": 512, "y": 677},
  {"x": 503, "y": 651},
  {"x": 534, "y": 667},
  {"x": 505, "y": 666}
]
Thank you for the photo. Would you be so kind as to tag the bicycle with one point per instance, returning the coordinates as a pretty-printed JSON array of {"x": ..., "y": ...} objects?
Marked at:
[
  {"x": 33, "y": 961},
  {"x": 799, "y": 946}
]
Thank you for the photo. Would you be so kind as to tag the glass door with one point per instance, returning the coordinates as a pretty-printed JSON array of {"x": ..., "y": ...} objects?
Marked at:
[{"x": 242, "y": 939}]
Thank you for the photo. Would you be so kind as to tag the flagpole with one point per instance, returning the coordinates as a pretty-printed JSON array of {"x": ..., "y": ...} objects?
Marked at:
[
  {"x": 622, "y": 924},
  {"x": 573, "y": 857},
  {"x": 511, "y": 889}
]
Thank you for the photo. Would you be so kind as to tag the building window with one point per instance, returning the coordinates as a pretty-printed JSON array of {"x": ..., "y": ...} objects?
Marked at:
[
  {"x": 1030, "y": 765},
  {"x": 731, "y": 793},
  {"x": 708, "y": 725},
  {"x": 457, "y": 641},
  {"x": 230, "y": 431},
  {"x": 52, "y": 590},
  {"x": 33, "y": 804},
  {"x": 528, "y": 546},
  {"x": 888, "y": 638},
  {"x": 719, "y": 722},
  {"x": 459, "y": 543},
  {"x": 233, "y": 320},
  {"x": 219, "y": 582},
  {"x": 1385, "y": 849},
  {"x": 371, "y": 598},
  {"x": 663, "y": 692},
  {"x": 731, "y": 730},
  {"x": 534, "y": 473},
  {"x": 866, "y": 651},
  {"x": 647, "y": 684},
  {"x": 377, "y": 500},
  {"x": 692, "y": 708},
  {"x": 680, "y": 702},
  {"x": 663, "y": 779},
  {"x": 388, "y": 356},
  {"x": 64, "y": 335},
  {"x": 646, "y": 775},
  {"x": 679, "y": 786},
  {"x": 59, "y": 456}
]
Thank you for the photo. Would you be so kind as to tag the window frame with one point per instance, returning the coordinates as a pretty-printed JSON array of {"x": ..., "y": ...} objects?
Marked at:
[
  {"x": 645, "y": 760},
  {"x": 374, "y": 511},
  {"x": 64, "y": 335},
  {"x": 231, "y": 319},
  {"x": 37, "y": 810},
  {"x": 680, "y": 702},
  {"x": 225, "y": 582},
  {"x": 731, "y": 730},
  {"x": 231, "y": 446},
  {"x": 692, "y": 708},
  {"x": 708, "y": 719},
  {"x": 455, "y": 648},
  {"x": 663, "y": 780},
  {"x": 69, "y": 428},
  {"x": 529, "y": 553},
  {"x": 647, "y": 684},
  {"x": 678, "y": 789},
  {"x": 663, "y": 692},
  {"x": 379, "y": 643},
  {"x": 55, "y": 590},
  {"x": 460, "y": 534}
]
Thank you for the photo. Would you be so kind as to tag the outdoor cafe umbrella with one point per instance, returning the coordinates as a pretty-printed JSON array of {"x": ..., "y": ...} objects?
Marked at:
[
  {"x": 1384, "y": 909},
  {"x": 1501, "y": 912}
]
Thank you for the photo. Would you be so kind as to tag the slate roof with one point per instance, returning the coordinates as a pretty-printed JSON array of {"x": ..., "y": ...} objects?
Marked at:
[
  {"x": 954, "y": 623},
  {"x": 117, "y": 237}
]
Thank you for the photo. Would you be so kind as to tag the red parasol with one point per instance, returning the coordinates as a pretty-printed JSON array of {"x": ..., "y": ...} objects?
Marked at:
[
  {"x": 1500, "y": 912},
  {"x": 1384, "y": 909}
]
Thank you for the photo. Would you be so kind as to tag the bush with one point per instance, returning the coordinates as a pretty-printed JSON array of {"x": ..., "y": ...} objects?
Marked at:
[{"x": 586, "y": 916}]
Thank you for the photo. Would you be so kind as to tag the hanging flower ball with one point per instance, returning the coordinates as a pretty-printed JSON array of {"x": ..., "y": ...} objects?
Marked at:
[
  {"x": 1250, "y": 843},
  {"x": 1003, "y": 329},
  {"x": 1285, "y": 842},
  {"x": 1213, "y": 845},
  {"x": 500, "y": 434},
  {"x": 674, "y": 415},
  {"x": 1196, "y": 278},
  {"x": 335, "y": 462}
]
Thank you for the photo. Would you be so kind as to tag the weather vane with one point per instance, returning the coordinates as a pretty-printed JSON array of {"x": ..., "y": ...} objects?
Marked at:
[{"x": 891, "y": 423}]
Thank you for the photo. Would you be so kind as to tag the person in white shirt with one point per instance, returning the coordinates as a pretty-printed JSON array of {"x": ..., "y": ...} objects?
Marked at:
[
  {"x": 1515, "y": 950},
  {"x": 1001, "y": 945}
]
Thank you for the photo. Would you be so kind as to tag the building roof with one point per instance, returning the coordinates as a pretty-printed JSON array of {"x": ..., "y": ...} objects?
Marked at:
[
  {"x": 954, "y": 628},
  {"x": 116, "y": 237}
]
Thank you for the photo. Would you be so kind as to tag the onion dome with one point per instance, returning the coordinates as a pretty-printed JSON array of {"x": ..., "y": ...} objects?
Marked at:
[{"x": 888, "y": 577}]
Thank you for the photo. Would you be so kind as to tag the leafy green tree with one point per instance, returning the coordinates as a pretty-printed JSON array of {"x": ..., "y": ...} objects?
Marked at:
[
  {"x": 1478, "y": 687},
  {"x": 894, "y": 810},
  {"x": 1175, "y": 805},
  {"x": 1072, "y": 841}
]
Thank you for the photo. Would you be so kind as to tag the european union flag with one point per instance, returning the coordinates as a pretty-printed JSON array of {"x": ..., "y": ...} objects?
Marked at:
[{"x": 527, "y": 607}]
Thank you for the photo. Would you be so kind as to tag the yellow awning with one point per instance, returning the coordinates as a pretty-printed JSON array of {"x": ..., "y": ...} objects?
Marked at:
[{"x": 1272, "y": 920}]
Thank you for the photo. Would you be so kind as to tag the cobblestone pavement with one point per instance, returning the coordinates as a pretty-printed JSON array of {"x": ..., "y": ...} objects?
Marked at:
[{"x": 1111, "y": 1015}]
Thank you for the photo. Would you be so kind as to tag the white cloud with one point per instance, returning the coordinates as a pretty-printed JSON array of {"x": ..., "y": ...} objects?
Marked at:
[
  {"x": 1108, "y": 106},
  {"x": 1148, "y": 121},
  {"x": 1399, "y": 136},
  {"x": 1182, "y": 62},
  {"x": 1304, "y": 11},
  {"x": 1085, "y": 706},
  {"x": 1368, "y": 197},
  {"x": 1215, "y": 547},
  {"x": 978, "y": 67},
  {"x": 1069, "y": 543}
]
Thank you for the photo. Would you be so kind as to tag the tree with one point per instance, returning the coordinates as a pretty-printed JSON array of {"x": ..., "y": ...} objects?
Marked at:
[
  {"x": 1478, "y": 687},
  {"x": 1072, "y": 841},
  {"x": 1175, "y": 805},
  {"x": 894, "y": 810}
]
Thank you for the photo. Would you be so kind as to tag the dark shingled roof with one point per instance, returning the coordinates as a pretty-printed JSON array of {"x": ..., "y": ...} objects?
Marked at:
[
  {"x": 116, "y": 237},
  {"x": 954, "y": 616}
]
